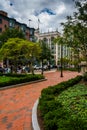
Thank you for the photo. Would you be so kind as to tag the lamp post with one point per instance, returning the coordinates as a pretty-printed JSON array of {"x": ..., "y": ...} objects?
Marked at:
[
  {"x": 61, "y": 74},
  {"x": 78, "y": 61},
  {"x": 29, "y": 22}
]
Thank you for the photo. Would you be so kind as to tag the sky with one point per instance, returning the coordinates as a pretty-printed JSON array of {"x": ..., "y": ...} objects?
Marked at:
[{"x": 47, "y": 14}]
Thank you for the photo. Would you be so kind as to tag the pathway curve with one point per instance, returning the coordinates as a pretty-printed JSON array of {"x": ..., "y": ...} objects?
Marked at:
[{"x": 16, "y": 103}]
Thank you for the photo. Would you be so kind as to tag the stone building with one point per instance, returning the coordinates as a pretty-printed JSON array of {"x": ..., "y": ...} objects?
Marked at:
[{"x": 48, "y": 37}]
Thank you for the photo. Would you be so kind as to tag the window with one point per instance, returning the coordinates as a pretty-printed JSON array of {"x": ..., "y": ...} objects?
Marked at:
[
  {"x": 0, "y": 20},
  {"x": 0, "y": 30},
  {"x": 5, "y": 26},
  {"x": 31, "y": 32},
  {"x": 10, "y": 24},
  {"x": 22, "y": 28}
]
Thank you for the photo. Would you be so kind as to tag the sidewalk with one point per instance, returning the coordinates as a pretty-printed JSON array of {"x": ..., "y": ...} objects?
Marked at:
[{"x": 16, "y": 103}]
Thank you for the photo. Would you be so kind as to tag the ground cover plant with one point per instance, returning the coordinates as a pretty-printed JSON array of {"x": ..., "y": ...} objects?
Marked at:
[
  {"x": 12, "y": 79},
  {"x": 64, "y": 106}
]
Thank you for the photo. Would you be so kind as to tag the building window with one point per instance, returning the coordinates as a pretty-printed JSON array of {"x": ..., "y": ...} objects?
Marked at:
[
  {"x": 0, "y": 30},
  {"x": 11, "y": 24},
  {"x": 31, "y": 32},
  {"x": 5, "y": 26},
  {"x": 22, "y": 28},
  {"x": 0, "y": 20}
]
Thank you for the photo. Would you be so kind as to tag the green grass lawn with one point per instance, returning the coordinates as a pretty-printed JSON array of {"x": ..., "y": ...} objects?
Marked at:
[
  {"x": 5, "y": 79},
  {"x": 13, "y": 79}
]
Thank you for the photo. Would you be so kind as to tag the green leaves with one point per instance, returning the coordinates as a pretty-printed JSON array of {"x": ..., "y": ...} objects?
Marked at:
[
  {"x": 20, "y": 51},
  {"x": 11, "y": 33},
  {"x": 12, "y": 79},
  {"x": 64, "y": 106},
  {"x": 45, "y": 51},
  {"x": 75, "y": 29}
]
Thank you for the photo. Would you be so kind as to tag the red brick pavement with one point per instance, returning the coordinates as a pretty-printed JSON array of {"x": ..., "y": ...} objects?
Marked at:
[{"x": 16, "y": 103}]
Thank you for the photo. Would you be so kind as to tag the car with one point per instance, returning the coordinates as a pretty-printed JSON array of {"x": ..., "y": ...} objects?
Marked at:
[
  {"x": 1, "y": 70},
  {"x": 45, "y": 67},
  {"x": 36, "y": 67},
  {"x": 25, "y": 69}
]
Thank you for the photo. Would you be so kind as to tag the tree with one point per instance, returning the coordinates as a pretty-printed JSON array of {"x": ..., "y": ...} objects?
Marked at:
[
  {"x": 45, "y": 53},
  {"x": 33, "y": 53},
  {"x": 61, "y": 41},
  {"x": 15, "y": 49},
  {"x": 10, "y": 33},
  {"x": 75, "y": 29}
]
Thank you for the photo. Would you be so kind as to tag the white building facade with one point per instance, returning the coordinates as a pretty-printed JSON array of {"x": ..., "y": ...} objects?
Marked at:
[{"x": 55, "y": 48}]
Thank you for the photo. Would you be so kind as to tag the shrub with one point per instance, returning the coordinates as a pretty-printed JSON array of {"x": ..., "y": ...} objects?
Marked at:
[
  {"x": 48, "y": 106},
  {"x": 64, "y": 106},
  {"x": 19, "y": 78},
  {"x": 57, "y": 89},
  {"x": 85, "y": 76}
]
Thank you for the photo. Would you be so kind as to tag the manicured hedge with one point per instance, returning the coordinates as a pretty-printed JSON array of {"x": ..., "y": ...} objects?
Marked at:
[
  {"x": 85, "y": 76},
  {"x": 19, "y": 78},
  {"x": 69, "y": 116},
  {"x": 55, "y": 90}
]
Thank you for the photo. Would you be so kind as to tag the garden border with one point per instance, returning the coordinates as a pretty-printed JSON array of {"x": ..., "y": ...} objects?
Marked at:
[
  {"x": 22, "y": 84},
  {"x": 35, "y": 124}
]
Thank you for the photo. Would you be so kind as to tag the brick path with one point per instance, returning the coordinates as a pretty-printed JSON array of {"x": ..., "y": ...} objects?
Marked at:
[{"x": 16, "y": 103}]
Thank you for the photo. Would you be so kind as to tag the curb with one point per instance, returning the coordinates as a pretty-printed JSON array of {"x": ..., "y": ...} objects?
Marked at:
[
  {"x": 19, "y": 85},
  {"x": 35, "y": 124}
]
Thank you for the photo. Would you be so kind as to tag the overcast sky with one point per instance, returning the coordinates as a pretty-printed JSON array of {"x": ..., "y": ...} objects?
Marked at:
[{"x": 49, "y": 12}]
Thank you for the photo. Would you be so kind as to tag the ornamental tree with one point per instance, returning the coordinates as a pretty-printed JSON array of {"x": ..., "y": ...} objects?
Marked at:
[{"x": 15, "y": 49}]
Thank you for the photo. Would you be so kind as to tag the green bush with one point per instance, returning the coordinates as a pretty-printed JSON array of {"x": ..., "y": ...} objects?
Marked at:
[
  {"x": 48, "y": 106},
  {"x": 55, "y": 90},
  {"x": 73, "y": 101},
  {"x": 64, "y": 106},
  {"x": 71, "y": 69},
  {"x": 85, "y": 76},
  {"x": 55, "y": 119},
  {"x": 13, "y": 79}
]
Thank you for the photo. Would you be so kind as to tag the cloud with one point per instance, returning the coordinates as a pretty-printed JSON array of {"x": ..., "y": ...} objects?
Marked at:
[
  {"x": 50, "y": 12},
  {"x": 60, "y": 9}
]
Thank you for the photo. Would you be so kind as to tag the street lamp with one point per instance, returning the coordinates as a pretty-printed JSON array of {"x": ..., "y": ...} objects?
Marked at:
[
  {"x": 29, "y": 22},
  {"x": 61, "y": 61},
  {"x": 78, "y": 60}
]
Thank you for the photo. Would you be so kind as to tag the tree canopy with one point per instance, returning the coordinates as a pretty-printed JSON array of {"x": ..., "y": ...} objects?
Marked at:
[
  {"x": 10, "y": 33},
  {"x": 75, "y": 29},
  {"x": 15, "y": 49},
  {"x": 46, "y": 52}
]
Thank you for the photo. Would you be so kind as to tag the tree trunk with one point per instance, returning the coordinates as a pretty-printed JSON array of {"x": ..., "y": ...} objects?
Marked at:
[{"x": 42, "y": 67}]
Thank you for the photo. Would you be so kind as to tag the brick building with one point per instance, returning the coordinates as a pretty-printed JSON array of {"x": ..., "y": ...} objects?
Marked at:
[{"x": 6, "y": 22}]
